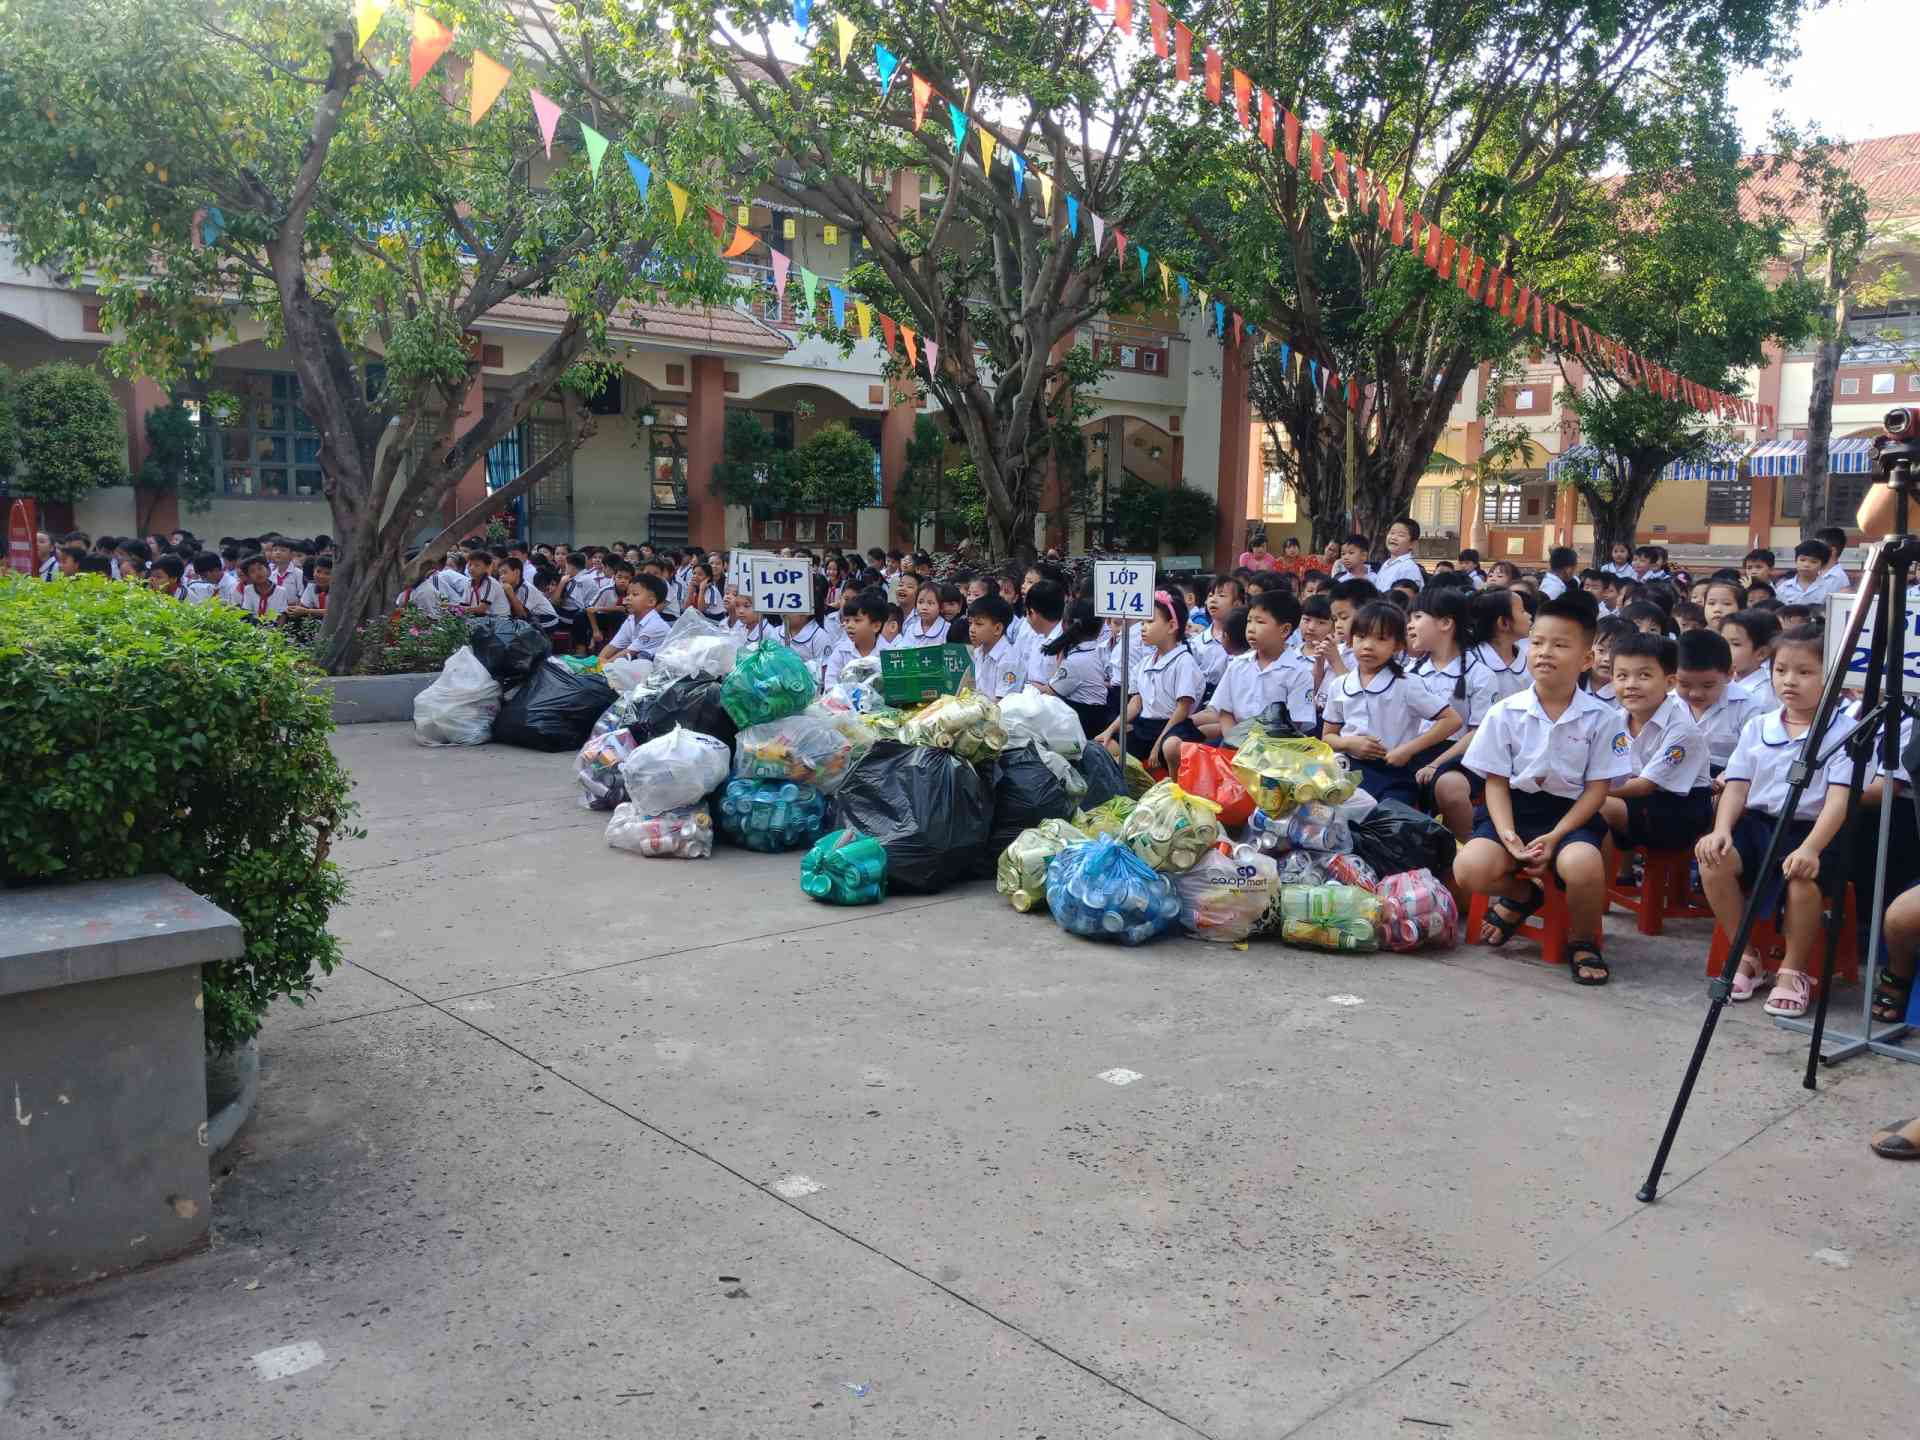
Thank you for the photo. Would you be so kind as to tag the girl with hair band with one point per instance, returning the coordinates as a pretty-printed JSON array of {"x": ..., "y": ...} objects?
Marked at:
[
  {"x": 1440, "y": 634},
  {"x": 1169, "y": 687},
  {"x": 1377, "y": 713}
]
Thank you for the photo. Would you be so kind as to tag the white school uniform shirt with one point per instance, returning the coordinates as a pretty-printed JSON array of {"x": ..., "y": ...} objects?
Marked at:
[
  {"x": 311, "y": 597},
  {"x": 50, "y": 566},
  {"x": 642, "y": 635},
  {"x": 1534, "y": 754},
  {"x": 1765, "y": 753},
  {"x": 1507, "y": 679},
  {"x": 1552, "y": 587},
  {"x": 809, "y": 642},
  {"x": 1670, "y": 750},
  {"x": 1602, "y": 692},
  {"x": 229, "y": 589},
  {"x": 1165, "y": 680},
  {"x": 1247, "y": 687},
  {"x": 1758, "y": 687},
  {"x": 199, "y": 592},
  {"x": 291, "y": 578},
  {"x": 912, "y": 636},
  {"x": 844, "y": 654},
  {"x": 997, "y": 672},
  {"x": 588, "y": 589},
  {"x": 263, "y": 607},
  {"x": 1723, "y": 721},
  {"x": 1393, "y": 708},
  {"x": 1017, "y": 631},
  {"x": 1324, "y": 694},
  {"x": 489, "y": 596},
  {"x": 1341, "y": 572},
  {"x": 1852, "y": 712},
  {"x": 1479, "y": 695},
  {"x": 1624, "y": 570},
  {"x": 1136, "y": 655},
  {"x": 1035, "y": 667},
  {"x": 1830, "y": 582},
  {"x": 1209, "y": 654},
  {"x": 1081, "y": 676},
  {"x": 1400, "y": 567},
  {"x": 756, "y": 633},
  {"x": 835, "y": 626},
  {"x": 539, "y": 608},
  {"x": 1791, "y": 592}
]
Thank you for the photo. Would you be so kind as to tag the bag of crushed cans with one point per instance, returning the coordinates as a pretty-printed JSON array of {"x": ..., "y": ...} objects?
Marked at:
[
  {"x": 1103, "y": 891},
  {"x": 1226, "y": 894},
  {"x": 1106, "y": 818},
  {"x": 1416, "y": 909},
  {"x": 597, "y": 768},
  {"x": 1352, "y": 870},
  {"x": 683, "y": 834},
  {"x": 1329, "y": 917},
  {"x": 767, "y": 682},
  {"x": 845, "y": 867},
  {"x": 811, "y": 748},
  {"x": 968, "y": 725},
  {"x": 1170, "y": 829},
  {"x": 1285, "y": 773},
  {"x": 1021, "y": 874},
  {"x": 771, "y": 815}
]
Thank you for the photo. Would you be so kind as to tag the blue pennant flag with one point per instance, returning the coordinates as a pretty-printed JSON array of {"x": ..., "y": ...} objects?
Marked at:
[
  {"x": 1314, "y": 367},
  {"x": 838, "y": 299},
  {"x": 1284, "y": 351},
  {"x": 1220, "y": 319},
  {"x": 1019, "y": 163},
  {"x": 212, "y": 225},
  {"x": 1181, "y": 281},
  {"x": 886, "y": 62},
  {"x": 801, "y": 10},
  {"x": 958, "y": 117},
  {"x": 642, "y": 176},
  {"x": 1141, "y": 251},
  {"x": 1073, "y": 216}
]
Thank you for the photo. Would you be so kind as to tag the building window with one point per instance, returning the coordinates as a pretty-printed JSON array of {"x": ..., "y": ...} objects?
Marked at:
[
  {"x": 1504, "y": 504},
  {"x": 1883, "y": 383},
  {"x": 1521, "y": 505},
  {"x": 836, "y": 532},
  {"x": 1850, "y": 385},
  {"x": 1524, "y": 400},
  {"x": 1729, "y": 499},
  {"x": 267, "y": 446},
  {"x": 1437, "y": 508},
  {"x": 773, "y": 529},
  {"x": 1913, "y": 381}
]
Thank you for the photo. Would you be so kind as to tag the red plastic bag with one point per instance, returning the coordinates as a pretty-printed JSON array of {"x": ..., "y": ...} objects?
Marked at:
[{"x": 1208, "y": 773}]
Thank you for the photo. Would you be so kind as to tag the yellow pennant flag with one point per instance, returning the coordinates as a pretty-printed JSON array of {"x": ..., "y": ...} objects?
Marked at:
[
  {"x": 679, "y": 202},
  {"x": 490, "y": 77},
  {"x": 863, "y": 312},
  {"x": 1046, "y": 191},
  {"x": 986, "y": 152},
  {"x": 846, "y": 30},
  {"x": 367, "y": 15},
  {"x": 1203, "y": 298},
  {"x": 1166, "y": 281}
]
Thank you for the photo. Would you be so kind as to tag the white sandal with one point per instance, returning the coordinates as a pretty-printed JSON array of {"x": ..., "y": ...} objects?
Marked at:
[
  {"x": 1792, "y": 994},
  {"x": 1746, "y": 983}
]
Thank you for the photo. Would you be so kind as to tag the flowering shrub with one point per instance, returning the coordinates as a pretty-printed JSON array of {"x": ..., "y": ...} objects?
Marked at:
[{"x": 405, "y": 644}]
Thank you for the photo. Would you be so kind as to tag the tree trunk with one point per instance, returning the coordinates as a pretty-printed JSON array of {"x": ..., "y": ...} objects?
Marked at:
[{"x": 1826, "y": 366}]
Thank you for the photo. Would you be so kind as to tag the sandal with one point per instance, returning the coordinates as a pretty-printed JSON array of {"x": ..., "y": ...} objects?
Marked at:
[
  {"x": 1516, "y": 915},
  {"x": 1746, "y": 982},
  {"x": 1585, "y": 955},
  {"x": 1893, "y": 1145},
  {"x": 1792, "y": 994},
  {"x": 1891, "y": 995}
]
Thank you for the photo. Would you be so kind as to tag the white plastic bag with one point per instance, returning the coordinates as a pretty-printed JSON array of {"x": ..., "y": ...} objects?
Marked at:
[
  {"x": 696, "y": 646},
  {"x": 674, "y": 770},
  {"x": 458, "y": 708},
  {"x": 1226, "y": 894},
  {"x": 685, "y": 834},
  {"x": 1047, "y": 720},
  {"x": 810, "y": 748},
  {"x": 626, "y": 672},
  {"x": 1070, "y": 778}
]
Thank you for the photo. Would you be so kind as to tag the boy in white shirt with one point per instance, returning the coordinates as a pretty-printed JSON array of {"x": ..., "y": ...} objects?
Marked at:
[
  {"x": 205, "y": 585},
  {"x": 1549, "y": 754},
  {"x": 485, "y": 594},
  {"x": 1270, "y": 672},
  {"x": 996, "y": 662},
  {"x": 1810, "y": 559},
  {"x": 1046, "y": 612},
  {"x": 260, "y": 599},
  {"x": 1399, "y": 565},
  {"x": 861, "y": 619},
  {"x": 1704, "y": 681},
  {"x": 525, "y": 599},
  {"x": 644, "y": 630},
  {"x": 313, "y": 595},
  {"x": 1666, "y": 801},
  {"x": 1353, "y": 559}
]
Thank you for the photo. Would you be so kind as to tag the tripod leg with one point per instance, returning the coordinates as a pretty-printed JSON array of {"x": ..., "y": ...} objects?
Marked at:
[
  {"x": 1650, "y": 1191},
  {"x": 1835, "y": 911}
]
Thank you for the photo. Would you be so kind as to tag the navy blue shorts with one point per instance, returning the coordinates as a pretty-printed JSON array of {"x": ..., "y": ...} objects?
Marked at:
[
  {"x": 1143, "y": 733},
  {"x": 1388, "y": 782},
  {"x": 1666, "y": 821},
  {"x": 1535, "y": 813},
  {"x": 1476, "y": 787},
  {"x": 1751, "y": 832}
]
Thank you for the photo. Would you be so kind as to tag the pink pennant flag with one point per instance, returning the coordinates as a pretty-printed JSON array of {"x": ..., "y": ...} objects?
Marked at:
[
  {"x": 548, "y": 114},
  {"x": 933, "y": 355},
  {"x": 1119, "y": 243},
  {"x": 1099, "y": 233},
  {"x": 780, "y": 266}
]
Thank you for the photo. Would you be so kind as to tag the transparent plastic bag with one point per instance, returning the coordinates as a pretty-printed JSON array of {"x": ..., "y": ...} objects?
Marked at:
[
  {"x": 1071, "y": 780},
  {"x": 1046, "y": 720},
  {"x": 1348, "y": 935},
  {"x": 1319, "y": 826},
  {"x": 597, "y": 768},
  {"x": 1416, "y": 910},
  {"x": 1021, "y": 874},
  {"x": 845, "y": 867},
  {"x": 1352, "y": 870},
  {"x": 769, "y": 682},
  {"x": 1283, "y": 773},
  {"x": 857, "y": 688},
  {"x": 458, "y": 708},
  {"x": 1103, "y": 891},
  {"x": 1170, "y": 829},
  {"x": 771, "y": 815},
  {"x": 626, "y": 672},
  {"x": 683, "y": 834},
  {"x": 811, "y": 748},
  {"x": 622, "y": 713},
  {"x": 697, "y": 646},
  {"x": 1331, "y": 901},
  {"x": 968, "y": 725},
  {"x": 1303, "y": 867},
  {"x": 674, "y": 770},
  {"x": 1107, "y": 818},
  {"x": 1226, "y": 895}
]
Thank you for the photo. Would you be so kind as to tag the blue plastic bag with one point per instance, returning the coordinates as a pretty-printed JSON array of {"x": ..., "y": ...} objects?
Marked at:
[
  {"x": 770, "y": 815},
  {"x": 1102, "y": 890}
]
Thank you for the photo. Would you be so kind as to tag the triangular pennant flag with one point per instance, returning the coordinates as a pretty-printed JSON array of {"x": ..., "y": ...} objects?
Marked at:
[
  {"x": 430, "y": 42},
  {"x": 1182, "y": 53},
  {"x": 1099, "y": 230},
  {"x": 802, "y": 9},
  {"x": 1314, "y": 367},
  {"x": 367, "y": 15},
  {"x": 1166, "y": 279},
  {"x": 844, "y": 30},
  {"x": 1213, "y": 74},
  {"x": 596, "y": 144},
  {"x": 548, "y": 114},
  {"x": 642, "y": 175},
  {"x": 837, "y": 298},
  {"x": 958, "y": 119},
  {"x": 679, "y": 197},
  {"x": 886, "y": 331},
  {"x": 1019, "y": 164},
  {"x": 933, "y": 356},
  {"x": 1242, "y": 95},
  {"x": 1157, "y": 18},
  {"x": 743, "y": 241},
  {"x": 886, "y": 62},
  {"x": 490, "y": 77},
  {"x": 1119, "y": 244},
  {"x": 213, "y": 224},
  {"x": 863, "y": 313},
  {"x": 1203, "y": 299},
  {"x": 986, "y": 152},
  {"x": 716, "y": 222},
  {"x": 1220, "y": 319},
  {"x": 922, "y": 93},
  {"x": 781, "y": 264},
  {"x": 1239, "y": 328},
  {"x": 1285, "y": 350},
  {"x": 810, "y": 286},
  {"x": 1073, "y": 216},
  {"x": 1181, "y": 281},
  {"x": 913, "y": 354},
  {"x": 1141, "y": 251},
  {"x": 1046, "y": 191}
]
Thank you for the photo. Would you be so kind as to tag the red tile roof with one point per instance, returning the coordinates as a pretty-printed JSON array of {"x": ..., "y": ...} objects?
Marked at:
[
  {"x": 697, "y": 326},
  {"x": 1887, "y": 169}
]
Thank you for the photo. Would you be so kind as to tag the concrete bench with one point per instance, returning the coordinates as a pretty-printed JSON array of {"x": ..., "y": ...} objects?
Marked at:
[{"x": 103, "y": 1096}]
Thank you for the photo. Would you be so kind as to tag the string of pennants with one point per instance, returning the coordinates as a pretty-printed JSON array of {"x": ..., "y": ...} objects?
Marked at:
[{"x": 1254, "y": 107}]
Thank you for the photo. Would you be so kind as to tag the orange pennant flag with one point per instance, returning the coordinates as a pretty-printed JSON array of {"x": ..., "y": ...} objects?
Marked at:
[
  {"x": 1266, "y": 118},
  {"x": 913, "y": 351},
  {"x": 1293, "y": 139},
  {"x": 490, "y": 77},
  {"x": 743, "y": 241},
  {"x": 717, "y": 223},
  {"x": 430, "y": 42},
  {"x": 886, "y": 331},
  {"x": 1242, "y": 96},
  {"x": 922, "y": 95}
]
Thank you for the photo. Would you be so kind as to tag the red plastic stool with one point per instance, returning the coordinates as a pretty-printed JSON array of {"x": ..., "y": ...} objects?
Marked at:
[
  {"x": 1766, "y": 936},
  {"x": 1546, "y": 927},
  {"x": 1663, "y": 892}
]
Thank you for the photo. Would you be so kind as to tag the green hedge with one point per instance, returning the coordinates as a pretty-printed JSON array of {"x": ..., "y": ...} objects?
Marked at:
[{"x": 142, "y": 736}]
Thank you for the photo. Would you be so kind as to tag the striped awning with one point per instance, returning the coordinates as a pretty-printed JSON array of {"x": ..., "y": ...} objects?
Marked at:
[
  {"x": 1725, "y": 465},
  {"x": 1849, "y": 455}
]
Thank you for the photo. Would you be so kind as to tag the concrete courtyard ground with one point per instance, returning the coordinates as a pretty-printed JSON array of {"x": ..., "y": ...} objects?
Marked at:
[{"x": 581, "y": 1144}]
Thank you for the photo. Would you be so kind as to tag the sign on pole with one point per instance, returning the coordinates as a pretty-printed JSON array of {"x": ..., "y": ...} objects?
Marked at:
[
  {"x": 21, "y": 554},
  {"x": 1840, "y": 615},
  {"x": 1123, "y": 589},
  {"x": 740, "y": 571},
  {"x": 782, "y": 586}
]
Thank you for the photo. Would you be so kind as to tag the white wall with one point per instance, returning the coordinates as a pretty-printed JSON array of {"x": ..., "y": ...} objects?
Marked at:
[
  {"x": 1200, "y": 419},
  {"x": 610, "y": 491}
]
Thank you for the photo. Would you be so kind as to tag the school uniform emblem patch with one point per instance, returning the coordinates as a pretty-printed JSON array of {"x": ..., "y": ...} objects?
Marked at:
[{"x": 1621, "y": 744}]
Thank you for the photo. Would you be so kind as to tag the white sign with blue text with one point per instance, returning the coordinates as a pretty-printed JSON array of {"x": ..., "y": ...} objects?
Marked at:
[
  {"x": 1123, "y": 589},
  {"x": 1840, "y": 615},
  {"x": 782, "y": 586}
]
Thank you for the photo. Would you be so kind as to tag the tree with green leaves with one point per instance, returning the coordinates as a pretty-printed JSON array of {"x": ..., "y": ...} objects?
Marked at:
[
  {"x": 1478, "y": 118},
  {"x": 976, "y": 263},
  {"x": 178, "y": 462},
  {"x": 9, "y": 425},
  {"x": 917, "y": 494},
  {"x": 72, "y": 436},
  {"x": 211, "y": 164},
  {"x": 833, "y": 471},
  {"x": 1673, "y": 261}
]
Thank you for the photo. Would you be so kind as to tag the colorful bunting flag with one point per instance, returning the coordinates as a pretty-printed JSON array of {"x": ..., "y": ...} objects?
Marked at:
[
  {"x": 1319, "y": 148},
  {"x": 490, "y": 77},
  {"x": 367, "y": 15},
  {"x": 863, "y": 313},
  {"x": 933, "y": 356},
  {"x": 986, "y": 151},
  {"x": 1239, "y": 329},
  {"x": 886, "y": 331},
  {"x": 1213, "y": 74},
  {"x": 743, "y": 241},
  {"x": 1182, "y": 53},
  {"x": 1166, "y": 280},
  {"x": 781, "y": 264},
  {"x": 922, "y": 93},
  {"x": 1073, "y": 218},
  {"x": 1157, "y": 19},
  {"x": 1140, "y": 251},
  {"x": 810, "y": 287},
  {"x": 679, "y": 198},
  {"x": 913, "y": 355},
  {"x": 642, "y": 175},
  {"x": 844, "y": 30},
  {"x": 1185, "y": 289},
  {"x": 1046, "y": 191},
  {"x": 1123, "y": 16},
  {"x": 958, "y": 119},
  {"x": 1220, "y": 319},
  {"x": 717, "y": 223},
  {"x": 548, "y": 114},
  {"x": 1242, "y": 95},
  {"x": 802, "y": 9},
  {"x": 1019, "y": 163},
  {"x": 837, "y": 298},
  {"x": 430, "y": 42},
  {"x": 1099, "y": 229},
  {"x": 1266, "y": 117},
  {"x": 886, "y": 62},
  {"x": 213, "y": 224}
]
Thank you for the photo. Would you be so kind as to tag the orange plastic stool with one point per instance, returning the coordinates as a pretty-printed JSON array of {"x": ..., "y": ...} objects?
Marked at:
[
  {"x": 1663, "y": 892},
  {"x": 1546, "y": 927},
  {"x": 1766, "y": 936}
]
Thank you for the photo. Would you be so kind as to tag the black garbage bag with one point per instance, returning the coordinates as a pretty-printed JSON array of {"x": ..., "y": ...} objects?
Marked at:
[
  {"x": 692, "y": 703},
  {"x": 930, "y": 809},
  {"x": 1025, "y": 792},
  {"x": 509, "y": 648},
  {"x": 554, "y": 710},
  {"x": 1105, "y": 779},
  {"x": 1393, "y": 838}
]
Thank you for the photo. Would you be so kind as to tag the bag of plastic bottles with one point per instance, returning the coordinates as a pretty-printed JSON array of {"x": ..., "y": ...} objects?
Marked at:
[
  {"x": 845, "y": 867},
  {"x": 1227, "y": 893},
  {"x": 1021, "y": 874},
  {"x": 1303, "y": 867},
  {"x": 1393, "y": 838},
  {"x": 769, "y": 682},
  {"x": 857, "y": 688},
  {"x": 683, "y": 834},
  {"x": 1025, "y": 792},
  {"x": 1046, "y": 720},
  {"x": 1208, "y": 772},
  {"x": 1329, "y": 917},
  {"x": 1417, "y": 910},
  {"x": 771, "y": 815},
  {"x": 1102, "y": 890},
  {"x": 1170, "y": 829},
  {"x": 1106, "y": 818},
  {"x": 554, "y": 710},
  {"x": 968, "y": 725},
  {"x": 697, "y": 647},
  {"x": 1357, "y": 936},
  {"x": 1352, "y": 870},
  {"x": 509, "y": 648},
  {"x": 597, "y": 768},
  {"x": 1105, "y": 779},
  {"x": 458, "y": 708},
  {"x": 1317, "y": 825},
  {"x": 809, "y": 749},
  {"x": 931, "y": 810},
  {"x": 675, "y": 770},
  {"x": 1283, "y": 773}
]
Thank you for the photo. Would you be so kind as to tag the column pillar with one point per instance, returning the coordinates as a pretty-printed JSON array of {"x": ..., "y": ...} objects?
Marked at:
[
  {"x": 896, "y": 430},
  {"x": 1763, "y": 496},
  {"x": 472, "y": 486},
  {"x": 144, "y": 395},
  {"x": 706, "y": 431},
  {"x": 1236, "y": 420}
]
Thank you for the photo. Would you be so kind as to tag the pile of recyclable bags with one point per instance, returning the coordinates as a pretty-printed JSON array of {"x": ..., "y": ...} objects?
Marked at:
[
  {"x": 1021, "y": 874},
  {"x": 1282, "y": 773},
  {"x": 1226, "y": 895},
  {"x": 597, "y": 768},
  {"x": 682, "y": 834},
  {"x": 845, "y": 868},
  {"x": 815, "y": 747},
  {"x": 675, "y": 769},
  {"x": 509, "y": 648},
  {"x": 1105, "y": 779},
  {"x": 930, "y": 810},
  {"x": 1026, "y": 791},
  {"x": 1169, "y": 829},
  {"x": 1046, "y": 720},
  {"x": 458, "y": 708},
  {"x": 768, "y": 682},
  {"x": 967, "y": 724},
  {"x": 857, "y": 688},
  {"x": 1416, "y": 910},
  {"x": 554, "y": 709},
  {"x": 1208, "y": 772},
  {"x": 1103, "y": 891},
  {"x": 665, "y": 702},
  {"x": 1107, "y": 818},
  {"x": 697, "y": 648},
  {"x": 1329, "y": 917},
  {"x": 771, "y": 815},
  {"x": 1392, "y": 838}
]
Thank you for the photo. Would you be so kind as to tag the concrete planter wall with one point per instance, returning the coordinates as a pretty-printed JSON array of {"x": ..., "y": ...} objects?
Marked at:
[{"x": 364, "y": 699}]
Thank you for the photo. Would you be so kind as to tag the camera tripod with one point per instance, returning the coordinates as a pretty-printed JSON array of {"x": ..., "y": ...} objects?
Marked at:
[{"x": 1882, "y": 595}]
